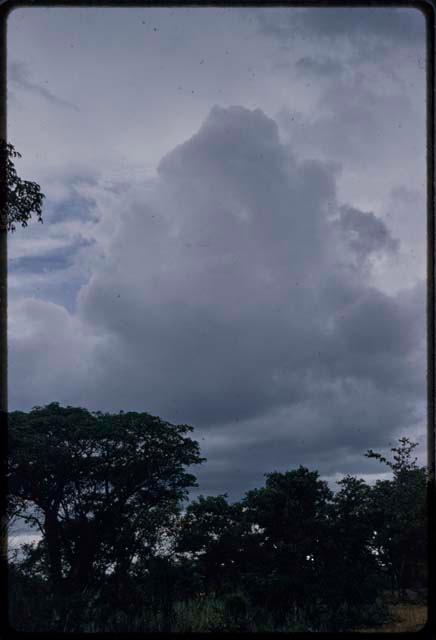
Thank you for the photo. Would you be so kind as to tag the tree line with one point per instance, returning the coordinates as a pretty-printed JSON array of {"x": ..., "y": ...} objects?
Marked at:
[{"x": 122, "y": 548}]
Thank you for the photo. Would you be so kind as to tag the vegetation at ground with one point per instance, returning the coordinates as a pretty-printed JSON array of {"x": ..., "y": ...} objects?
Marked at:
[{"x": 123, "y": 549}]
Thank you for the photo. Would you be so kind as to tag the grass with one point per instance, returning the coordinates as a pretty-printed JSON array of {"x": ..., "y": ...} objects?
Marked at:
[{"x": 404, "y": 617}]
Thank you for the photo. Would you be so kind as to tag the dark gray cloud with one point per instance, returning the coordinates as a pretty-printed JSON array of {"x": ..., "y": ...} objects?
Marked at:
[
  {"x": 236, "y": 296},
  {"x": 233, "y": 287},
  {"x": 362, "y": 70},
  {"x": 232, "y": 299},
  {"x": 319, "y": 66},
  {"x": 352, "y": 123},
  {"x": 385, "y": 25},
  {"x": 365, "y": 233},
  {"x": 376, "y": 26},
  {"x": 19, "y": 76}
]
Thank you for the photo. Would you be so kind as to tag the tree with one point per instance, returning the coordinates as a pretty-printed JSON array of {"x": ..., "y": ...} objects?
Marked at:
[
  {"x": 348, "y": 577},
  {"x": 289, "y": 517},
  {"x": 100, "y": 487},
  {"x": 213, "y": 534},
  {"x": 21, "y": 198},
  {"x": 400, "y": 519}
]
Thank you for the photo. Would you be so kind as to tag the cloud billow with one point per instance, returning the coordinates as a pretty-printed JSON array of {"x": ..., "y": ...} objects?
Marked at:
[{"x": 237, "y": 296}]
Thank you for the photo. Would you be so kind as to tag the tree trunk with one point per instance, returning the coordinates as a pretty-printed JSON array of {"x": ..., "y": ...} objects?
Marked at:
[
  {"x": 51, "y": 527},
  {"x": 81, "y": 570}
]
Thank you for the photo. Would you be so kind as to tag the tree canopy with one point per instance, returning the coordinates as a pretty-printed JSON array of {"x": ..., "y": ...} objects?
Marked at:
[
  {"x": 119, "y": 542},
  {"x": 22, "y": 198},
  {"x": 100, "y": 487},
  {"x": 399, "y": 516}
]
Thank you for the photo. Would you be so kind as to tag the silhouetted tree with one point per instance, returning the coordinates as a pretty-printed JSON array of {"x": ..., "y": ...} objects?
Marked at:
[
  {"x": 213, "y": 533},
  {"x": 289, "y": 516},
  {"x": 21, "y": 198},
  {"x": 348, "y": 575},
  {"x": 400, "y": 519},
  {"x": 100, "y": 487},
  {"x": 106, "y": 492}
]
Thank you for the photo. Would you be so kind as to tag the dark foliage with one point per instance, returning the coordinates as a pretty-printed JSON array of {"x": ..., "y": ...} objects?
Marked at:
[
  {"x": 118, "y": 552},
  {"x": 21, "y": 198},
  {"x": 102, "y": 489},
  {"x": 398, "y": 508}
]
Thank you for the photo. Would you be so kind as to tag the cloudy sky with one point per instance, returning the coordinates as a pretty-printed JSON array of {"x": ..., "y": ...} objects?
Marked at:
[{"x": 234, "y": 227}]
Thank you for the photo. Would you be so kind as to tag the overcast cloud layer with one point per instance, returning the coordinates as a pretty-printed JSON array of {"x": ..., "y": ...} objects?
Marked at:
[{"x": 234, "y": 229}]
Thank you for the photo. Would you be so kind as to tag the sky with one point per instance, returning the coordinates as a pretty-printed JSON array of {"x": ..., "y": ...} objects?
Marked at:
[{"x": 234, "y": 227}]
